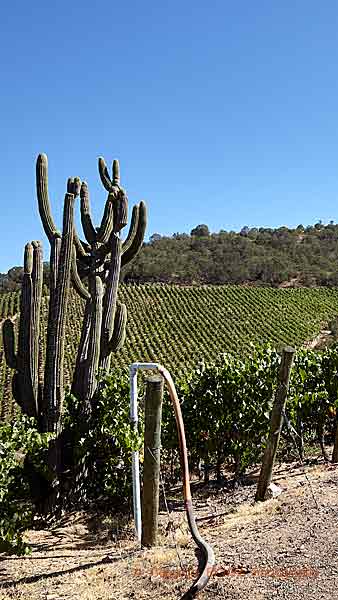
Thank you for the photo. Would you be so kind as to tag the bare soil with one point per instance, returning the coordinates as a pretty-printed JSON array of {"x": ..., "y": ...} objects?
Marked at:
[
  {"x": 322, "y": 340},
  {"x": 286, "y": 547}
]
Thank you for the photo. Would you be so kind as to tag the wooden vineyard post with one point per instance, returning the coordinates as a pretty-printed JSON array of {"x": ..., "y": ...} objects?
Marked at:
[
  {"x": 152, "y": 454},
  {"x": 335, "y": 448},
  {"x": 276, "y": 422}
]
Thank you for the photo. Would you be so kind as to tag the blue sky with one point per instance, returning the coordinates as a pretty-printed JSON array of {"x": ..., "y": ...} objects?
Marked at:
[{"x": 224, "y": 114}]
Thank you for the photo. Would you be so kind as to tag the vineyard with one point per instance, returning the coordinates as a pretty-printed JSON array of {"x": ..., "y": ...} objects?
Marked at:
[{"x": 179, "y": 326}]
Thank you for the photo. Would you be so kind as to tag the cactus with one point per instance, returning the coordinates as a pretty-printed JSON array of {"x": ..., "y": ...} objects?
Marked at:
[
  {"x": 41, "y": 394},
  {"x": 102, "y": 257},
  {"x": 98, "y": 260},
  {"x": 25, "y": 360}
]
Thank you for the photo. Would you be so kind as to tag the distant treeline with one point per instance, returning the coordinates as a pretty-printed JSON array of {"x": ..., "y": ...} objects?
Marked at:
[
  {"x": 305, "y": 256},
  {"x": 11, "y": 281}
]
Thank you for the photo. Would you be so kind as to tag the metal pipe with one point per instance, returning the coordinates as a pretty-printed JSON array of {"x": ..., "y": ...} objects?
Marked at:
[
  {"x": 135, "y": 465},
  {"x": 207, "y": 552}
]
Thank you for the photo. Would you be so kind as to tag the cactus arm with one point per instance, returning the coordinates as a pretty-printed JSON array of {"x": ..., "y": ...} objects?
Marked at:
[
  {"x": 76, "y": 281},
  {"x": 54, "y": 261},
  {"x": 54, "y": 267},
  {"x": 104, "y": 175},
  {"x": 116, "y": 173},
  {"x": 16, "y": 390},
  {"x": 93, "y": 353},
  {"x": 24, "y": 327},
  {"x": 136, "y": 241},
  {"x": 109, "y": 301},
  {"x": 132, "y": 229},
  {"x": 86, "y": 220},
  {"x": 43, "y": 197},
  {"x": 81, "y": 357},
  {"x": 53, "y": 389},
  {"x": 37, "y": 282},
  {"x": 26, "y": 360},
  {"x": 120, "y": 211},
  {"x": 24, "y": 387},
  {"x": 109, "y": 183},
  {"x": 8, "y": 336},
  {"x": 107, "y": 222},
  {"x": 74, "y": 186},
  {"x": 117, "y": 340},
  {"x": 116, "y": 205},
  {"x": 81, "y": 247}
]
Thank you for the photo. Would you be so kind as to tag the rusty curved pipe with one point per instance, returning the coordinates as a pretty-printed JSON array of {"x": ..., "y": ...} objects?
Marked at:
[{"x": 207, "y": 552}]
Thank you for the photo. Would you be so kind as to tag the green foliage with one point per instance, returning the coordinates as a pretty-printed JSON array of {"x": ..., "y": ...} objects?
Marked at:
[
  {"x": 105, "y": 442},
  {"x": 179, "y": 326},
  {"x": 314, "y": 391},
  {"x": 226, "y": 408},
  {"x": 200, "y": 231},
  {"x": 259, "y": 255},
  {"x": 18, "y": 440},
  {"x": 226, "y": 405}
]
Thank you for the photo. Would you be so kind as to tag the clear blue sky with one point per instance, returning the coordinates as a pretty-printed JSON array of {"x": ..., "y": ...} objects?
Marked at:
[{"x": 224, "y": 113}]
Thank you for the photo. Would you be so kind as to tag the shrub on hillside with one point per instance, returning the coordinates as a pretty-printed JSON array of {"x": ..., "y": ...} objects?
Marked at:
[
  {"x": 104, "y": 443},
  {"x": 226, "y": 408},
  {"x": 18, "y": 440},
  {"x": 226, "y": 405}
]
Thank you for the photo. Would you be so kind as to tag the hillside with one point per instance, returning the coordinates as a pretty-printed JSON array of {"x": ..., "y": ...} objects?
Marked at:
[
  {"x": 306, "y": 256},
  {"x": 179, "y": 326}
]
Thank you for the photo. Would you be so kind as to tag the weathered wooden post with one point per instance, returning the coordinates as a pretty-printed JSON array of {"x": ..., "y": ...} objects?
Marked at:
[
  {"x": 152, "y": 455},
  {"x": 335, "y": 448},
  {"x": 276, "y": 422}
]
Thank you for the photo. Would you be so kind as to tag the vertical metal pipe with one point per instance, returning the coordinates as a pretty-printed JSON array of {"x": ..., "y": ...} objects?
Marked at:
[
  {"x": 135, "y": 455},
  {"x": 206, "y": 568}
]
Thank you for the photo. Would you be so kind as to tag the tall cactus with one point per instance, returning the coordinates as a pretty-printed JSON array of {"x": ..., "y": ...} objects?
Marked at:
[
  {"x": 37, "y": 395},
  {"x": 98, "y": 260}
]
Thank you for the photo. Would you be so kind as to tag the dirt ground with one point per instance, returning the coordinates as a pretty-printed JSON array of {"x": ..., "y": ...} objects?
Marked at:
[{"x": 286, "y": 547}]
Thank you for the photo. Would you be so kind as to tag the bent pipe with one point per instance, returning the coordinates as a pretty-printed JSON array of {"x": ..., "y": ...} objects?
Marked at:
[{"x": 206, "y": 550}]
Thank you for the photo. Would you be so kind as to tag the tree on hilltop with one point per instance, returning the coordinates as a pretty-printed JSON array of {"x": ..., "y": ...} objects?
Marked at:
[{"x": 200, "y": 231}]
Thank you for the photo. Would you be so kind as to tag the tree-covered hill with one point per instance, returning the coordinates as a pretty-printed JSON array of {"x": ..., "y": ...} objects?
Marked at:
[
  {"x": 305, "y": 256},
  {"x": 301, "y": 257}
]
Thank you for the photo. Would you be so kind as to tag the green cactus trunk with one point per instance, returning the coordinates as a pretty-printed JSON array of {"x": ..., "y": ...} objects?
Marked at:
[
  {"x": 26, "y": 360},
  {"x": 54, "y": 388}
]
